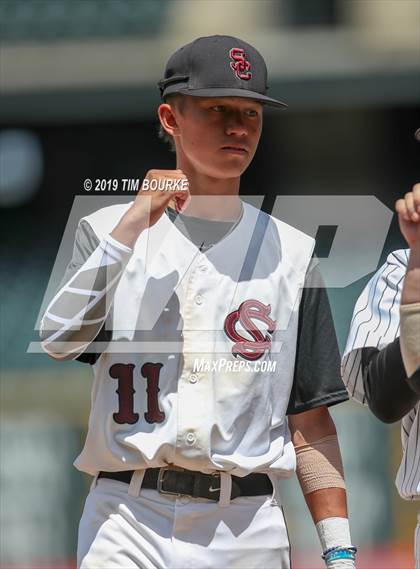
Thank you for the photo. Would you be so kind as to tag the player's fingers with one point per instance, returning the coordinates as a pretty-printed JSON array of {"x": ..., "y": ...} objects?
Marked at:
[
  {"x": 155, "y": 173},
  {"x": 411, "y": 209},
  {"x": 164, "y": 185},
  {"x": 163, "y": 180},
  {"x": 182, "y": 202},
  {"x": 174, "y": 174},
  {"x": 401, "y": 209},
  {"x": 416, "y": 195},
  {"x": 180, "y": 193},
  {"x": 179, "y": 197}
]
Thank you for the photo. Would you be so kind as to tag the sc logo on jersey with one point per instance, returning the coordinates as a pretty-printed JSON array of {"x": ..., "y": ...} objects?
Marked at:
[{"x": 247, "y": 314}]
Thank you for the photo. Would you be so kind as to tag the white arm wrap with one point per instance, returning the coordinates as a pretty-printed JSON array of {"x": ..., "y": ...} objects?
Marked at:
[{"x": 335, "y": 532}]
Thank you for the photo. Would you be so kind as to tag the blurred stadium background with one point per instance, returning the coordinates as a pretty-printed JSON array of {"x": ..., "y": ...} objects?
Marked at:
[{"x": 78, "y": 100}]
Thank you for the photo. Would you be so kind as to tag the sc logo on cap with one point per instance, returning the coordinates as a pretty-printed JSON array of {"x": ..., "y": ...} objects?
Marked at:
[{"x": 240, "y": 65}]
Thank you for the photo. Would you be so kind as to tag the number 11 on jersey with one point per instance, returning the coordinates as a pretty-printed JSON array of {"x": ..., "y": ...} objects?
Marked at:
[{"x": 124, "y": 373}]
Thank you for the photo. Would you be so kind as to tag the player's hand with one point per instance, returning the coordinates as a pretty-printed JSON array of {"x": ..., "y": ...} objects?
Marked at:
[
  {"x": 161, "y": 198},
  {"x": 408, "y": 209},
  {"x": 153, "y": 198}
]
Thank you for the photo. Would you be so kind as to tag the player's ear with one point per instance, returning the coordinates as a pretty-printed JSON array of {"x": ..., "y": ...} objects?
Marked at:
[{"x": 167, "y": 117}]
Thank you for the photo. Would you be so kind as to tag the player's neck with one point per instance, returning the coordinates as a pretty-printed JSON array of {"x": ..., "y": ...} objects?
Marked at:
[
  {"x": 215, "y": 208},
  {"x": 212, "y": 198}
]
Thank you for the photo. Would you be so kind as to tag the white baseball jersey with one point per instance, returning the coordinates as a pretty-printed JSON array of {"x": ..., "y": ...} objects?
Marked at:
[
  {"x": 200, "y": 368},
  {"x": 376, "y": 323}
]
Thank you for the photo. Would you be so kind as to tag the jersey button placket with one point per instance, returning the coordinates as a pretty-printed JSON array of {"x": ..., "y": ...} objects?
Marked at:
[
  {"x": 190, "y": 439},
  {"x": 192, "y": 396}
]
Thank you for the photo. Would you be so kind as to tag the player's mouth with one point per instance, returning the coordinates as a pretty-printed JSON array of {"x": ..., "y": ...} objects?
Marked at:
[{"x": 235, "y": 149}]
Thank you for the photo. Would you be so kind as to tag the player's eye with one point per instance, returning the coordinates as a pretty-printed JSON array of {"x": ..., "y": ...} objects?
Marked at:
[
  {"x": 252, "y": 112},
  {"x": 218, "y": 108}
]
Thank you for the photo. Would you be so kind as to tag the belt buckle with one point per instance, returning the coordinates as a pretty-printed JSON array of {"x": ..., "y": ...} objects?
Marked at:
[{"x": 160, "y": 480}]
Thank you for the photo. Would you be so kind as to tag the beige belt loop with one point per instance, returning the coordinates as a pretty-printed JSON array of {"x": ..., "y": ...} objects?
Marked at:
[
  {"x": 94, "y": 481},
  {"x": 275, "y": 498},
  {"x": 135, "y": 483},
  {"x": 225, "y": 489}
]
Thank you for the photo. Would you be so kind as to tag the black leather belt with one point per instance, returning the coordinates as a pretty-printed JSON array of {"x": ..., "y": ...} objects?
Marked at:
[{"x": 195, "y": 484}]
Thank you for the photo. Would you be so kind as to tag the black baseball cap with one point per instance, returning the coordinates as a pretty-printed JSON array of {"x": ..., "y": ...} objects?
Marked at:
[{"x": 217, "y": 66}]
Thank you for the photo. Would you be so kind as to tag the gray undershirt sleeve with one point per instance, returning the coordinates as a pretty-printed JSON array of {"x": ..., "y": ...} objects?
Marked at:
[{"x": 79, "y": 309}]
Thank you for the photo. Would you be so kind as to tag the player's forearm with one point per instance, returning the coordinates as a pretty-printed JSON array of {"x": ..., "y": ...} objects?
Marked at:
[
  {"x": 410, "y": 318},
  {"x": 320, "y": 473},
  {"x": 129, "y": 228},
  {"x": 78, "y": 311},
  {"x": 328, "y": 508},
  {"x": 411, "y": 289},
  {"x": 408, "y": 209},
  {"x": 327, "y": 503},
  {"x": 318, "y": 464}
]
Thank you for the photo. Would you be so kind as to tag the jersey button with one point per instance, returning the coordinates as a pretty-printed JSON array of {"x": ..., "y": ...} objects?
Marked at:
[
  {"x": 190, "y": 438},
  {"x": 193, "y": 378},
  {"x": 199, "y": 299}
]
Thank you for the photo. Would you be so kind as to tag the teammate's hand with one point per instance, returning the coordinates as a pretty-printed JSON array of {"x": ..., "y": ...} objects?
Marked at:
[
  {"x": 155, "y": 194},
  {"x": 408, "y": 209}
]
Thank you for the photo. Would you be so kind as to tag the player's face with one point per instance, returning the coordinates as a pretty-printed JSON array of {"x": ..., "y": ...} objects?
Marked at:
[{"x": 218, "y": 137}]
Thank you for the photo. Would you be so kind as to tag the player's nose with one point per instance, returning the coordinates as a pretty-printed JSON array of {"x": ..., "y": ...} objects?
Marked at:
[{"x": 236, "y": 125}]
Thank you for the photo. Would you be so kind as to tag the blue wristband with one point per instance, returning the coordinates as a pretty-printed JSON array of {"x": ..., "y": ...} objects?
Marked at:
[{"x": 339, "y": 553}]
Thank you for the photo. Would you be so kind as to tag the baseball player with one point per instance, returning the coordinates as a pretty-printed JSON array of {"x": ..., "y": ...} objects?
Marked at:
[
  {"x": 212, "y": 346},
  {"x": 381, "y": 362}
]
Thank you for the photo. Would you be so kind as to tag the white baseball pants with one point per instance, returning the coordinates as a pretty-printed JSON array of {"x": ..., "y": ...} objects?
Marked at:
[{"x": 123, "y": 526}]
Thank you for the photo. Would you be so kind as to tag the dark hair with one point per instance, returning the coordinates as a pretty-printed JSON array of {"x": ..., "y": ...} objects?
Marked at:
[
  {"x": 178, "y": 100},
  {"x": 166, "y": 137}
]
